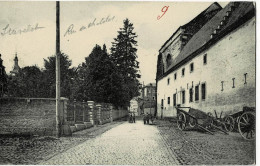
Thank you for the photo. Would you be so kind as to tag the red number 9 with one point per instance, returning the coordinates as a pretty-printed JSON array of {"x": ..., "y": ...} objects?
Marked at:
[{"x": 164, "y": 10}]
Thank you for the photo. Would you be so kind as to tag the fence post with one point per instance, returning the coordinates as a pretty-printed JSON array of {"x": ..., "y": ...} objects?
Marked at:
[
  {"x": 91, "y": 107},
  {"x": 99, "y": 114},
  {"x": 74, "y": 105},
  {"x": 111, "y": 112},
  {"x": 84, "y": 113},
  {"x": 66, "y": 131}
]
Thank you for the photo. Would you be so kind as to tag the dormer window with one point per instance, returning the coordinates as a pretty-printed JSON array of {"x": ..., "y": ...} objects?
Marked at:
[{"x": 168, "y": 60}]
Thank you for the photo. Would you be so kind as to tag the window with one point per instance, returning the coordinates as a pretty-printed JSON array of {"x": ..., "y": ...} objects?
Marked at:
[
  {"x": 205, "y": 59},
  {"x": 191, "y": 67},
  {"x": 183, "y": 96},
  {"x": 169, "y": 100},
  {"x": 168, "y": 60},
  {"x": 203, "y": 91},
  {"x": 222, "y": 85},
  {"x": 168, "y": 81},
  {"x": 162, "y": 103},
  {"x": 183, "y": 72},
  {"x": 191, "y": 95},
  {"x": 174, "y": 99},
  {"x": 197, "y": 93},
  {"x": 233, "y": 82},
  {"x": 175, "y": 76},
  {"x": 245, "y": 78}
]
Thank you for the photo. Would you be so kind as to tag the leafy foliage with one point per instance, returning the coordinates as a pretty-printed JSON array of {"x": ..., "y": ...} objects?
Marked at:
[
  {"x": 26, "y": 83},
  {"x": 123, "y": 56},
  {"x": 66, "y": 74},
  {"x": 101, "y": 78},
  {"x": 3, "y": 79}
]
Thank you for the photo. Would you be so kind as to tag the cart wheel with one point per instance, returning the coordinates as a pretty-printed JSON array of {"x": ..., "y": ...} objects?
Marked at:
[
  {"x": 229, "y": 123},
  {"x": 192, "y": 122},
  {"x": 210, "y": 114},
  {"x": 246, "y": 125},
  {"x": 181, "y": 121}
]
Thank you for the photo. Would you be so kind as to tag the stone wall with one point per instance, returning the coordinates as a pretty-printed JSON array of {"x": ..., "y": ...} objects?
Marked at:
[
  {"x": 82, "y": 115},
  {"x": 29, "y": 116},
  {"x": 37, "y": 116}
]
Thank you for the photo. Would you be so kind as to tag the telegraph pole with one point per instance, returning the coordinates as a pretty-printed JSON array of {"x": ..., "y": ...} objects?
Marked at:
[
  {"x": 58, "y": 125},
  {"x": 151, "y": 96}
]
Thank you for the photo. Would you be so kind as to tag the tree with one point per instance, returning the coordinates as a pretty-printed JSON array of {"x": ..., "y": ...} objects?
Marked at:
[
  {"x": 67, "y": 74},
  {"x": 27, "y": 83},
  {"x": 124, "y": 57},
  {"x": 93, "y": 79},
  {"x": 3, "y": 79}
]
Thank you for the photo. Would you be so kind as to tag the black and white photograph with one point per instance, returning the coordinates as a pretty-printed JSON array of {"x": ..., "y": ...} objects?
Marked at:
[{"x": 128, "y": 82}]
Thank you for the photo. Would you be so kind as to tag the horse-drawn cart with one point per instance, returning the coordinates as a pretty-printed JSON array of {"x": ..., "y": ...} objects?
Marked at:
[
  {"x": 244, "y": 120},
  {"x": 197, "y": 118}
]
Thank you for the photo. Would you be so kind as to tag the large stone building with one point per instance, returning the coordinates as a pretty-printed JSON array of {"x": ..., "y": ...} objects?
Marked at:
[{"x": 209, "y": 63}]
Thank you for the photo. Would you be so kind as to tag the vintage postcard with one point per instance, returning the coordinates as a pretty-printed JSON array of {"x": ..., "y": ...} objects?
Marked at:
[{"x": 127, "y": 83}]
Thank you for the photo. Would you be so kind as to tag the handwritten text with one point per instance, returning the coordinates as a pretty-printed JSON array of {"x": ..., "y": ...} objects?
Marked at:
[
  {"x": 71, "y": 29},
  {"x": 7, "y": 30},
  {"x": 164, "y": 10}
]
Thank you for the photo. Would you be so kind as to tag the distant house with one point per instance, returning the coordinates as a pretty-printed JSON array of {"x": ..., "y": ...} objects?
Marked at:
[
  {"x": 134, "y": 106},
  {"x": 209, "y": 63},
  {"x": 147, "y": 102}
]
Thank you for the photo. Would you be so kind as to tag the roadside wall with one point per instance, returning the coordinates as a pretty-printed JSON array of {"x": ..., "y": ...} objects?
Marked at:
[{"x": 29, "y": 116}]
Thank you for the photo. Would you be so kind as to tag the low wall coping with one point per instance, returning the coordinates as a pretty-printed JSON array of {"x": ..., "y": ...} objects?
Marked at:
[{"x": 26, "y": 98}]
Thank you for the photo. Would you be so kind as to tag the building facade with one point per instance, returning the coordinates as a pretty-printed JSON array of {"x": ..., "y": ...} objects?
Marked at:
[
  {"x": 147, "y": 100},
  {"x": 215, "y": 68},
  {"x": 134, "y": 108}
]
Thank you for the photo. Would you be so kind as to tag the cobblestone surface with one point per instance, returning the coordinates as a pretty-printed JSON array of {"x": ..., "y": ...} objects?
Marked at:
[
  {"x": 193, "y": 147},
  {"x": 126, "y": 144},
  {"x": 22, "y": 150}
]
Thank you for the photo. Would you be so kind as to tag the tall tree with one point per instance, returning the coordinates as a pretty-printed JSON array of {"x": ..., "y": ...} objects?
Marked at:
[
  {"x": 3, "y": 78},
  {"x": 123, "y": 55},
  {"x": 94, "y": 76},
  {"x": 67, "y": 74}
]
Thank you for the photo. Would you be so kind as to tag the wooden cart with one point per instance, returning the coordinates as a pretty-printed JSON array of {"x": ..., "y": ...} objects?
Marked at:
[
  {"x": 197, "y": 118},
  {"x": 243, "y": 121}
]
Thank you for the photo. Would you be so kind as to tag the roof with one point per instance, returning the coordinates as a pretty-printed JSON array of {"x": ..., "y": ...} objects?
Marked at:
[
  {"x": 196, "y": 23},
  {"x": 148, "y": 85},
  {"x": 241, "y": 13}
]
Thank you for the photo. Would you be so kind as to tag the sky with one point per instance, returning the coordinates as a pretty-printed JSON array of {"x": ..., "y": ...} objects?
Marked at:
[{"x": 32, "y": 26}]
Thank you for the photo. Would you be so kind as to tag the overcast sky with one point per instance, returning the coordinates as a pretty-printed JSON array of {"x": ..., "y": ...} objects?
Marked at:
[{"x": 33, "y": 47}]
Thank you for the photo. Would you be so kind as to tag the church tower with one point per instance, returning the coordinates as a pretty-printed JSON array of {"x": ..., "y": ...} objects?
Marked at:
[{"x": 16, "y": 67}]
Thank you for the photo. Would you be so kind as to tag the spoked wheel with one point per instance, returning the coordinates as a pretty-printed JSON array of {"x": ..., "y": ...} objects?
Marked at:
[
  {"x": 192, "y": 122},
  {"x": 246, "y": 125},
  {"x": 181, "y": 121},
  {"x": 229, "y": 123},
  {"x": 210, "y": 114}
]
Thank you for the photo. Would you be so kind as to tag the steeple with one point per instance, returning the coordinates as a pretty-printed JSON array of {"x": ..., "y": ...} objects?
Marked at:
[
  {"x": 16, "y": 67},
  {"x": 1, "y": 61}
]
